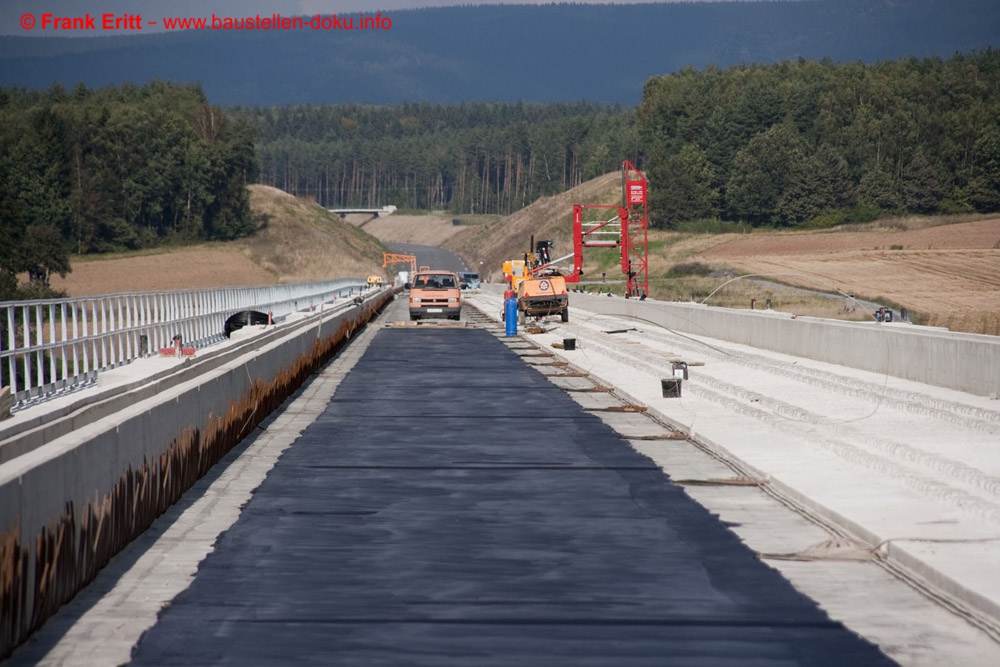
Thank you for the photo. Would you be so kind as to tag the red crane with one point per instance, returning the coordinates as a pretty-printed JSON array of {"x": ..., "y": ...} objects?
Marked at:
[{"x": 627, "y": 230}]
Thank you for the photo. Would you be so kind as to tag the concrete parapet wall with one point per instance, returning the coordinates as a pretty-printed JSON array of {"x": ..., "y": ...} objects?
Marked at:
[
  {"x": 92, "y": 457},
  {"x": 966, "y": 362}
]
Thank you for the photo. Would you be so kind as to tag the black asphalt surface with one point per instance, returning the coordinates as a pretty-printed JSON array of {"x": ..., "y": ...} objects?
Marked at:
[
  {"x": 452, "y": 507},
  {"x": 432, "y": 256}
]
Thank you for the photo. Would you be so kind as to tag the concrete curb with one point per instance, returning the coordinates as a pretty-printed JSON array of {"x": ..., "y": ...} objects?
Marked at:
[{"x": 966, "y": 362}]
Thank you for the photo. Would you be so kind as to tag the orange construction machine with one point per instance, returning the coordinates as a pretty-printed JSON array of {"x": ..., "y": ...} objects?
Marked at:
[{"x": 539, "y": 286}]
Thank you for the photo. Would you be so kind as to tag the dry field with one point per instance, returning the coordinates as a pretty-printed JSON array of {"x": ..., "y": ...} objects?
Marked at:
[
  {"x": 296, "y": 241},
  {"x": 948, "y": 273},
  {"x": 186, "y": 268}
]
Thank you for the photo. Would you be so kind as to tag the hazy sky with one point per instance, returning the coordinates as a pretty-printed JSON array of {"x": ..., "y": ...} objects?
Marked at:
[{"x": 11, "y": 11}]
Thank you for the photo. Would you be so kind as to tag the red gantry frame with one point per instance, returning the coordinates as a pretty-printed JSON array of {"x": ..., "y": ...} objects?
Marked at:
[{"x": 628, "y": 230}]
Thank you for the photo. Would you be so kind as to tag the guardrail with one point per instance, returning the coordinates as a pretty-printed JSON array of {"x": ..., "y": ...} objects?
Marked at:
[{"x": 55, "y": 345}]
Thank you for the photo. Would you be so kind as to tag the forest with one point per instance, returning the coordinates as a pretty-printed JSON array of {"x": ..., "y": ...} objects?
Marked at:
[
  {"x": 819, "y": 143},
  {"x": 795, "y": 144},
  {"x": 91, "y": 171},
  {"x": 467, "y": 158}
]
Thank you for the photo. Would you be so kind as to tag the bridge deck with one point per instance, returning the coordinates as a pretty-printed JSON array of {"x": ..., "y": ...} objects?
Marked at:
[{"x": 451, "y": 506}]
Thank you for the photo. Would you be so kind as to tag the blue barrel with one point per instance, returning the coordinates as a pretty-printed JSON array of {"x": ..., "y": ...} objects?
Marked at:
[{"x": 510, "y": 315}]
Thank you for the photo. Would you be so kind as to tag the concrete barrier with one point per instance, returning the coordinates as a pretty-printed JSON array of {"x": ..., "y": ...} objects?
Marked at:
[
  {"x": 115, "y": 471},
  {"x": 966, "y": 362}
]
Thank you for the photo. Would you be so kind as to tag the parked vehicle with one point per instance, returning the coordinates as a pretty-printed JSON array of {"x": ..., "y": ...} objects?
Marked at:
[
  {"x": 469, "y": 279},
  {"x": 435, "y": 294}
]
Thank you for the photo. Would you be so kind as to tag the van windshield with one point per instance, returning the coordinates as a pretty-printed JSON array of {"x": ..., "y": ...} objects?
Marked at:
[{"x": 435, "y": 281}]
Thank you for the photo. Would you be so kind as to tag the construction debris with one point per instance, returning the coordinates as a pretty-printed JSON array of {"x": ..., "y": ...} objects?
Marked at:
[{"x": 619, "y": 408}]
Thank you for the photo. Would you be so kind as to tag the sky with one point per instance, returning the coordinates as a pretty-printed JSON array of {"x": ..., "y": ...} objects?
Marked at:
[{"x": 12, "y": 11}]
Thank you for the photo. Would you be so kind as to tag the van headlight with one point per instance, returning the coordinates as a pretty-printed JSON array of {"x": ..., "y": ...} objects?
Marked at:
[
  {"x": 415, "y": 299},
  {"x": 452, "y": 299}
]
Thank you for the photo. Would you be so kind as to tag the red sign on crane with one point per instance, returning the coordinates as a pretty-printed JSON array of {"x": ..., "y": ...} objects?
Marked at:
[{"x": 636, "y": 192}]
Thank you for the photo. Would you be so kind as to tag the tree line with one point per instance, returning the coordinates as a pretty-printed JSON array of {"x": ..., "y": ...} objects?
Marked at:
[
  {"x": 820, "y": 143},
  {"x": 97, "y": 170},
  {"x": 467, "y": 158},
  {"x": 795, "y": 143},
  {"x": 792, "y": 144}
]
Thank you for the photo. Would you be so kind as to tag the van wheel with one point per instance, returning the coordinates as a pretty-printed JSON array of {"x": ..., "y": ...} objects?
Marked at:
[{"x": 565, "y": 315}]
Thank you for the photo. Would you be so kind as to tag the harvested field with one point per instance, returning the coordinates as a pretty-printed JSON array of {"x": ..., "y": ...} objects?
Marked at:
[
  {"x": 188, "y": 268},
  {"x": 950, "y": 274},
  {"x": 981, "y": 235}
]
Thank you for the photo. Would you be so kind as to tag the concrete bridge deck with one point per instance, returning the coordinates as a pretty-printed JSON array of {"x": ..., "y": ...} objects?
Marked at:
[
  {"x": 452, "y": 506},
  {"x": 478, "y": 545}
]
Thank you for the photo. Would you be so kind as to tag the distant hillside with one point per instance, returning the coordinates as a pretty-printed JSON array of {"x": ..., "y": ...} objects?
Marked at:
[
  {"x": 564, "y": 52},
  {"x": 296, "y": 241}
]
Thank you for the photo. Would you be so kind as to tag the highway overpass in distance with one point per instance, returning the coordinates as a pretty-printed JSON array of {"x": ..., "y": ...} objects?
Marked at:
[{"x": 374, "y": 212}]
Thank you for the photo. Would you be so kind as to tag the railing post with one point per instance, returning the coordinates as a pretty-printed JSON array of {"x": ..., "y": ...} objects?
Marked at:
[{"x": 26, "y": 344}]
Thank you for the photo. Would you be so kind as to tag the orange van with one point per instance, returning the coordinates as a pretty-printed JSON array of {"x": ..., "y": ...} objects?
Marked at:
[{"x": 435, "y": 294}]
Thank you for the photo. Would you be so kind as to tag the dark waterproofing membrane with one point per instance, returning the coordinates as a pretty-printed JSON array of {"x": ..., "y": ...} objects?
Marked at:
[{"x": 452, "y": 507}]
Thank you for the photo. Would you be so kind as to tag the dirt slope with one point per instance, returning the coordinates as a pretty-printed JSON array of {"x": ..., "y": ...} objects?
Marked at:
[
  {"x": 947, "y": 274},
  {"x": 549, "y": 218},
  {"x": 432, "y": 229},
  {"x": 298, "y": 241}
]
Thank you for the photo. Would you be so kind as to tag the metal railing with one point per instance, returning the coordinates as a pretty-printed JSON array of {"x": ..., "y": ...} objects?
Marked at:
[{"x": 54, "y": 345}]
